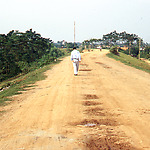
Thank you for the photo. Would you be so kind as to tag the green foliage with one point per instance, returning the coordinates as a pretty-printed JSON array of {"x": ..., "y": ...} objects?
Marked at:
[
  {"x": 24, "y": 66},
  {"x": 134, "y": 51},
  {"x": 133, "y": 62},
  {"x": 114, "y": 38},
  {"x": 146, "y": 52},
  {"x": 20, "y": 83},
  {"x": 114, "y": 50},
  {"x": 23, "y": 52},
  {"x": 148, "y": 56},
  {"x": 69, "y": 50},
  {"x": 15, "y": 86},
  {"x": 70, "y": 45}
]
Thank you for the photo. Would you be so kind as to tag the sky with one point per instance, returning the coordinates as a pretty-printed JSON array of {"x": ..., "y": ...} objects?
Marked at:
[{"x": 54, "y": 19}]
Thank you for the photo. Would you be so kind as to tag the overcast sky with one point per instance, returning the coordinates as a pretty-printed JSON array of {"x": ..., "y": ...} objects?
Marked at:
[{"x": 54, "y": 19}]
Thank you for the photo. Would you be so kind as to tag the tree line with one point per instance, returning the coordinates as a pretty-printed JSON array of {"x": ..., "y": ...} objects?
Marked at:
[
  {"x": 68, "y": 45},
  {"x": 121, "y": 39},
  {"x": 114, "y": 38},
  {"x": 23, "y": 52}
]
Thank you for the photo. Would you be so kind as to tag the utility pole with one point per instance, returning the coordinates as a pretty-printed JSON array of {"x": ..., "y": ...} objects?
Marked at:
[
  {"x": 139, "y": 47},
  {"x": 74, "y": 33}
]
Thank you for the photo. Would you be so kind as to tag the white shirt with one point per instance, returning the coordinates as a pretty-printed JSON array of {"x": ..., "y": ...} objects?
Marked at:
[{"x": 75, "y": 55}]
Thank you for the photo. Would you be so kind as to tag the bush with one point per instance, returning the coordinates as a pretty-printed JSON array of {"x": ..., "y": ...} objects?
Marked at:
[
  {"x": 148, "y": 56},
  {"x": 24, "y": 66},
  {"x": 114, "y": 50}
]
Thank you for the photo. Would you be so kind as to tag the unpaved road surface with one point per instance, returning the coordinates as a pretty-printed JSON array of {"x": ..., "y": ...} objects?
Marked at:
[{"x": 105, "y": 107}]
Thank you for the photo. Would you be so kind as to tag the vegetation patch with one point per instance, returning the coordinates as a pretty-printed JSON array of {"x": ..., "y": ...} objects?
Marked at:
[
  {"x": 17, "y": 85},
  {"x": 114, "y": 50},
  {"x": 131, "y": 61},
  {"x": 21, "y": 53}
]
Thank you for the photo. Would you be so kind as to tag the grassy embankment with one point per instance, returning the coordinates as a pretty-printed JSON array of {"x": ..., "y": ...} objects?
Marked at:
[
  {"x": 16, "y": 85},
  {"x": 131, "y": 61}
]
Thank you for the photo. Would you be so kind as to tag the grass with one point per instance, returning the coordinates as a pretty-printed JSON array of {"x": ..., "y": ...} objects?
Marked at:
[
  {"x": 131, "y": 61},
  {"x": 19, "y": 84}
]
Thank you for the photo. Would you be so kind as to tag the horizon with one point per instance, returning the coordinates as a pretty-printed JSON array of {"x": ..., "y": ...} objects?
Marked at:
[{"x": 55, "y": 19}]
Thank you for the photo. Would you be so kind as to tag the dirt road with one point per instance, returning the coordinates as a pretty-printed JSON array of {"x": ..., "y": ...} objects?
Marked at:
[{"x": 105, "y": 107}]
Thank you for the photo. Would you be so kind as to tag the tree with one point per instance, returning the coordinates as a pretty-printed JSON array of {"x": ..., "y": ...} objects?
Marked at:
[{"x": 18, "y": 51}]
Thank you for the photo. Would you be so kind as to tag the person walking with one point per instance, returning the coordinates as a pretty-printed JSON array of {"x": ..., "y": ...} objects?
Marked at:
[
  {"x": 100, "y": 48},
  {"x": 75, "y": 58}
]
